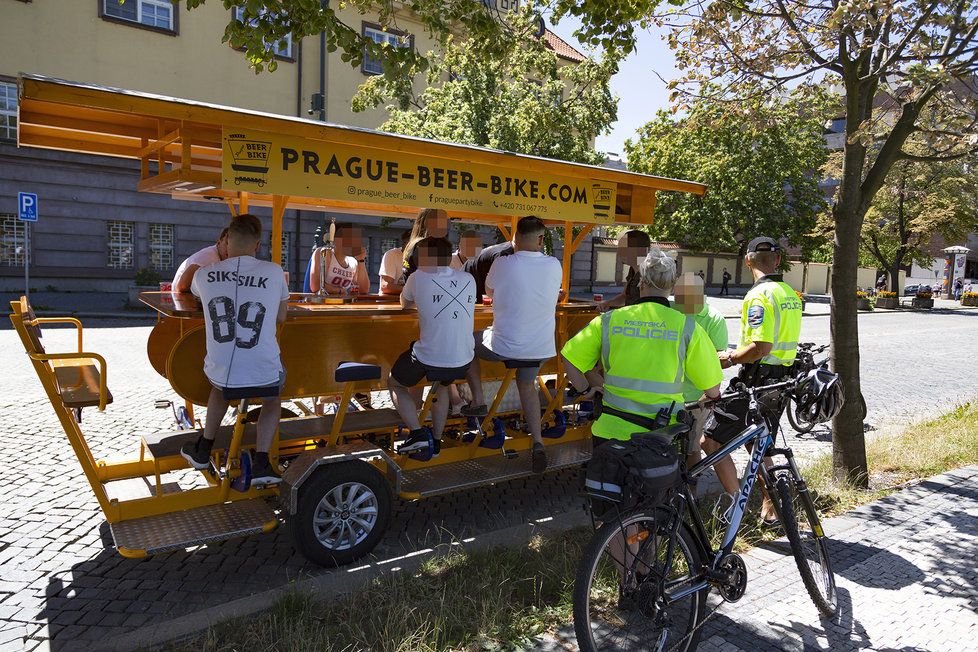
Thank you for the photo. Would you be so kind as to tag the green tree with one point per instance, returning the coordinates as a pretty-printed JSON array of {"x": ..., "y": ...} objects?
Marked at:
[
  {"x": 527, "y": 101},
  {"x": 758, "y": 159},
  {"x": 266, "y": 22},
  {"x": 906, "y": 71},
  {"x": 920, "y": 200}
]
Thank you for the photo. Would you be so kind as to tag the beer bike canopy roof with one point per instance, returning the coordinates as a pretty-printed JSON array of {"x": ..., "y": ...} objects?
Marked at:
[{"x": 195, "y": 150}]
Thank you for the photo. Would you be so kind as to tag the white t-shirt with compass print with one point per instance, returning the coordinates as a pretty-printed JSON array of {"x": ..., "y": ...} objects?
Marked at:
[{"x": 446, "y": 311}]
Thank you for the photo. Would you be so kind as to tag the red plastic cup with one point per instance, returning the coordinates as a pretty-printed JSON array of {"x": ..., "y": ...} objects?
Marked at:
[
  {"x": 486, "y": 300},
  {"x": 598, "y": 298},
  {"x": 166, "y": 287}
]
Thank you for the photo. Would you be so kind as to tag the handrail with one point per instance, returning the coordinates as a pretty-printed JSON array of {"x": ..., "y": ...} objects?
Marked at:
[
  {"x": 103, "y": 391},
  {"x": 62, "y": 320}
]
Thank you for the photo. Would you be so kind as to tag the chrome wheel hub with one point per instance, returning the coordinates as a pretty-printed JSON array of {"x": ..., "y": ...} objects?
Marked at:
[{"x": 345, "y": 516}]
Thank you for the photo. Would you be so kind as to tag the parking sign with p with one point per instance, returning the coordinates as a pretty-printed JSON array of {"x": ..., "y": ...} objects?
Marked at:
[{"x": 27, "y": 206}]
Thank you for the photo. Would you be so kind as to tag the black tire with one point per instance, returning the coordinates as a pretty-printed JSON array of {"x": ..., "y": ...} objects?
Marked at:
[
  {"x": 803, "y": 427},
  {"x": 314, "y": 524},
  {"x": 596, "y": 624},
  {"x": 808, "y": 543}
]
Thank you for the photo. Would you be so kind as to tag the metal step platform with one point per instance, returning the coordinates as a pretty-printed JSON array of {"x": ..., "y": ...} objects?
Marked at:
[
  {"x": 445, "y": 478},
  {"x": 193, "y": 527}
]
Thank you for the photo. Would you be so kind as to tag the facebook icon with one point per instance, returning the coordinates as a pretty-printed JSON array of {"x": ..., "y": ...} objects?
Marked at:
[{"x": 27, "y": 203}]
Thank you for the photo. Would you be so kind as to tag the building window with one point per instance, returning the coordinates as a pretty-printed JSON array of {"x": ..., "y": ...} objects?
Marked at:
[
  {"x": 372, "y": 66},
  {"x": 389, "y": 243},
  {"x": 122, "y": 248},
  {"x": 282, "y": 49},
  {"x": 8, "y": 111},
  {"x": 836, "y": 126},
  {"x": 161, "y": 246},
  {"x": 12, "y": 243},
  {"x": 156, "y": 14}
]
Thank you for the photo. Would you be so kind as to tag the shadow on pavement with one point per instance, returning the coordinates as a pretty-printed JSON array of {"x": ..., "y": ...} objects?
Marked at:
[{"x": 109, "y": 595}]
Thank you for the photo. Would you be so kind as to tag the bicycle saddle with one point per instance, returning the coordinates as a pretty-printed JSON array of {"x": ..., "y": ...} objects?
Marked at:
[{"x": 671, "y": 432}]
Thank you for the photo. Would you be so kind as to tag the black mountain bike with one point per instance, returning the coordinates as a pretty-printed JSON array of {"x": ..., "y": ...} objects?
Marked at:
[
  {"x": 805, "y": 362},
  {"x": 643, "y": 581}
]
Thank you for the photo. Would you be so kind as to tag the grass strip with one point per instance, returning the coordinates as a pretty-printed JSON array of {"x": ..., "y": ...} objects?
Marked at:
[{"x": 501, "y": 599}]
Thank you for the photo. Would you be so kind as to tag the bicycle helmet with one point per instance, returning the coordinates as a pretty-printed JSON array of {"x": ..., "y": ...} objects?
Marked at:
[{"x": 819, "y": 396}]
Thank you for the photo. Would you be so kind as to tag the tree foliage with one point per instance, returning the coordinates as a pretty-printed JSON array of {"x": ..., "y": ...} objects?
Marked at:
[
  {"x": 757, "y": 159},
  {"x": 266, "y": 22},
  {"x": 906, "y": 72},
  {"x": 919, "y": 201},
  {"x": 526, "y": 102}
]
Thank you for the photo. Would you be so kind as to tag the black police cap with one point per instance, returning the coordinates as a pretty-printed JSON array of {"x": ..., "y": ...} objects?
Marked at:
[{"x": 763, "y": 243}]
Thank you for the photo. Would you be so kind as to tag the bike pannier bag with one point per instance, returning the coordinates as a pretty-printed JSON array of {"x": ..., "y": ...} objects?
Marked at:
[{"x": 622, "y": 473}]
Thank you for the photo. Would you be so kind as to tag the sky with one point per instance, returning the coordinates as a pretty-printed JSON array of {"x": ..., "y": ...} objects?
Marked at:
[{"x": 640, "y": 92}]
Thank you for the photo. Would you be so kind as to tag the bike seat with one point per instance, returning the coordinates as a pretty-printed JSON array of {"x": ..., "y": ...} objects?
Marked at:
[{"x": 671, "y": 432}]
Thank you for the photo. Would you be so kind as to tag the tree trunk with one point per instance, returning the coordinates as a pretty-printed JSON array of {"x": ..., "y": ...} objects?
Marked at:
[
  {"x": 894, "y": 273},
  {"x": 894, "y": 270},
  {"x": 848, "y": 436}
]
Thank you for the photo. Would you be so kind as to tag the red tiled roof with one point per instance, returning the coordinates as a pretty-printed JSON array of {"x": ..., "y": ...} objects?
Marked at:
[{"x": 563, "y": 49}]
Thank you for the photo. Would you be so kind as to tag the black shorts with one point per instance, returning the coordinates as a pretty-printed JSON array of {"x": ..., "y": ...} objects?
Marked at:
[
  {"x": 266, "y": 391},
  {"x": 730, "y": 419},
  {"x": 409, "y": 371}
]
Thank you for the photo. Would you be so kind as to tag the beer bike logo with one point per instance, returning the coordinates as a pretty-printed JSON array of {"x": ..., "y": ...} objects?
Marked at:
[
  {"x": 249, "y": 158},
  {"x": 603, "y": 198}
]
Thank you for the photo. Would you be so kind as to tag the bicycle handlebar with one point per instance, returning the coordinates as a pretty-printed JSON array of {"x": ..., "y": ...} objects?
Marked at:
[{"x": 747, "y": 391}]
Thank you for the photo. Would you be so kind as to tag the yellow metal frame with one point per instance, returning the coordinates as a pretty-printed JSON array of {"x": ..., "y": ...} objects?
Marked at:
[{"x": 178, "y": 144}]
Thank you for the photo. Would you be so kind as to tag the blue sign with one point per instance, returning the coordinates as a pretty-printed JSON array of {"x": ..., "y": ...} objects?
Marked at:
[{"x": 27, "y": 206}]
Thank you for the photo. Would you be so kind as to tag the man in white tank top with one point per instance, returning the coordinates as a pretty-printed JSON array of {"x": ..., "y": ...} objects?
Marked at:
[{"x": 343, "y": 272}]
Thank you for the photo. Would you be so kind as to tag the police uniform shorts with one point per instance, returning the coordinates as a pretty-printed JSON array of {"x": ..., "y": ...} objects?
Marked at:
[
  {"x": 729, "y": 419},
  {"x": 267, "y": 391},
  {"x": 696, "y": 431},
  {"x": 409, "y": 371},
  {"x": 523, "y": 374}
]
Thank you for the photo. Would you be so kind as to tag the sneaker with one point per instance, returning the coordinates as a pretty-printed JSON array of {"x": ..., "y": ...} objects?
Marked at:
[
  {"x": 418, "y": 441},
  {"x": 435, "y": 447},
  {"x": 539, "y": 458},
  {"x": 263, "y": 472},
  {"x": 455, "y": 411},
  {"x": 198, "y": 453},
  {"x": 470, "y": 410}
]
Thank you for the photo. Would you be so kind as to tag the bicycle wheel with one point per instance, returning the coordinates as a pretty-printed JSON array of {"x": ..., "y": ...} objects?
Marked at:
[
  {"x": 808, "y": 543},
  {"x": 803, "y": 426},
  {"x": 617, "y": 600}
]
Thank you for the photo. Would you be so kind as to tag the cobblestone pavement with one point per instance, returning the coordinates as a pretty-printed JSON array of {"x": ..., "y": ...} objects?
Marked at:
[
  {"x": 906, "y": 575},
  {"x": 62, "y": 584}
]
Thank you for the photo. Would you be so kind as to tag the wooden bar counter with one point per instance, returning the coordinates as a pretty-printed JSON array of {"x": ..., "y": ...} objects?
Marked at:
[{"x": 315, "y": 338}]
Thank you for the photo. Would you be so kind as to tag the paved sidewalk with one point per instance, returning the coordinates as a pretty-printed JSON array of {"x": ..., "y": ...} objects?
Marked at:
[
  {"x": 906, "y": 574},
  {"x": 61, "y": 583}
]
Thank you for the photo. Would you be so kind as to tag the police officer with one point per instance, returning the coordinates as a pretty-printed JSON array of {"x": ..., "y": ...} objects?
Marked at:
[
  {"x": 769, "y": 330},
  {"x": 647, "y": 350}
]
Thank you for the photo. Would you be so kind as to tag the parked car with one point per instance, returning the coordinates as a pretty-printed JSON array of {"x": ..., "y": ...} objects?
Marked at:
[{"x": 912, "y": 290}]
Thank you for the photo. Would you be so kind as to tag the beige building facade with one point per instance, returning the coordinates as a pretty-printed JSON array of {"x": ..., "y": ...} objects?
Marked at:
[{"x": 157, "y": 47}]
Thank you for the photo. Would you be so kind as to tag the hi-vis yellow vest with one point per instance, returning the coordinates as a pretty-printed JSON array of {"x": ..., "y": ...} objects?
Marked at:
[
  {"x": 646, "y": 351},
  {"x": 772, "y": 313}
]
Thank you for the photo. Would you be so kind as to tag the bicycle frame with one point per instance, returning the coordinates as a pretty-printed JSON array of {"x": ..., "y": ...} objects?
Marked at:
[{"x": 760, "y": 434}]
